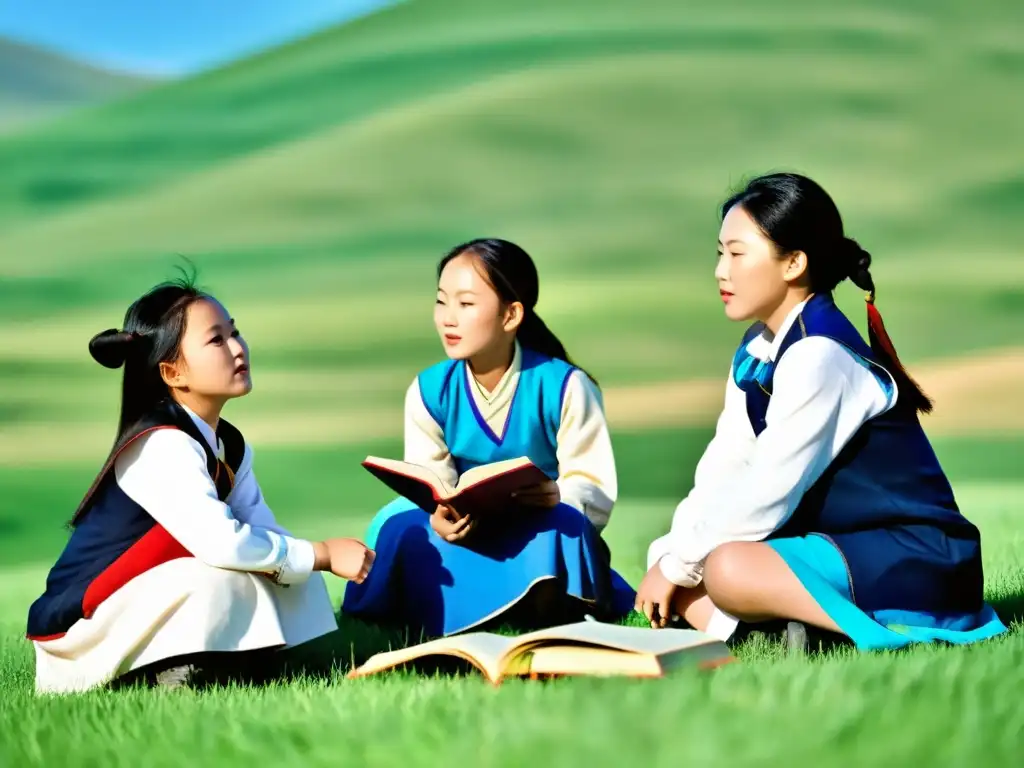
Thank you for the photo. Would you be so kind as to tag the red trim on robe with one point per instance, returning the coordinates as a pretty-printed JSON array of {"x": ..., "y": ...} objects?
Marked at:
[
  {"x": 156, "y": 547},
  {"x": 153, "y": 548}
]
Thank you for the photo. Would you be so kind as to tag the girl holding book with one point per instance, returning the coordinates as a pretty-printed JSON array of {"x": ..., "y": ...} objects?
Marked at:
[
  {"x": 507, "y": 390},
  {"x": 176, "y": 566},
  {"x": 819, "y": 500}
]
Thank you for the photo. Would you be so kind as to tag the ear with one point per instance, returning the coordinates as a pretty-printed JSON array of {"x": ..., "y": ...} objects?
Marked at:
[
  {"x": 794, "y": 266},
  {"x": 173, "y": 375},
  {"x": 513, "y": 317}
]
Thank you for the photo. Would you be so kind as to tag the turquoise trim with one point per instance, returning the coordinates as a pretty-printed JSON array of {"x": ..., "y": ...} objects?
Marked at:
[
  {"x": 385, "y": 513},
  {"x": 822, "y": 571}
]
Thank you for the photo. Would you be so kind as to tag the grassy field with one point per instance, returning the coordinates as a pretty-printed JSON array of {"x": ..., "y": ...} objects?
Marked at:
[{"x": 315, "y": 186}]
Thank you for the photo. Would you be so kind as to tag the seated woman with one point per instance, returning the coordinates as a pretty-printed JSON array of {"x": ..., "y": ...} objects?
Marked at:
[
  {"x": 820, "y": 499},
  {"x": 508, "y": 390},
  {"x": 176, "y": 567}
]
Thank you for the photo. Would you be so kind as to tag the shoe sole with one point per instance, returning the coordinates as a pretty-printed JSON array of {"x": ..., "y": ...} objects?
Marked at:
[{"x": 797, "y": 641}]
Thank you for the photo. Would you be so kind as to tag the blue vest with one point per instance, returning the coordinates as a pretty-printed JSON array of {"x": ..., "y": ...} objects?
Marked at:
[
  {"x": 884, "y": 502},
  {"x": 531, "y": 428},
  {"x": 114, "y": 538}
]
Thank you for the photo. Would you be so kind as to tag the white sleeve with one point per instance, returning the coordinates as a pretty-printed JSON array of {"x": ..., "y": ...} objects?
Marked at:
[
  {"x": 725, "y": 458},
  {"x": 165, "y": 473},
  {"x": 586, "y": 464},
  {"x": 424, "y": 438},
  {"x": 821, "y": 397}
]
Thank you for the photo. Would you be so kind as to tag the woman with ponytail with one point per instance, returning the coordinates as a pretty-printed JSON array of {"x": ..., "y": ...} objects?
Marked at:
[
  {"x": 819, "y": 500},
  {"x": 176, "y": 571},
  {"x": 507, "y": 390}
]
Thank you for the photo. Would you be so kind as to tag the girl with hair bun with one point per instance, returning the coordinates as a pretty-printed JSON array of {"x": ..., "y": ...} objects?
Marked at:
[
  {"x": 176, "y": 570},
  {"x": 507, "y": 390},
  {"x": 819, "y": 501}
]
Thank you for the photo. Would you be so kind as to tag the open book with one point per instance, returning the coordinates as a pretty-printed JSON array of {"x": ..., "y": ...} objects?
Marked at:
[
  {"x": 585, "y": 648},
  {"x": 480, "y": 489}
]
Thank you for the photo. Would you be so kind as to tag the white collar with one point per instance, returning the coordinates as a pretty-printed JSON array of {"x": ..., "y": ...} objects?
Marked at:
[
  {"x": 506, "y": 378},
  {"x": 204, "y": 429},
  {"x": 764, "y": 346}
]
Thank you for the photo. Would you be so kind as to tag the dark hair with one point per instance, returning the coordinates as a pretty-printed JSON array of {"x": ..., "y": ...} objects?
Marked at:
[
  {"x": 512, "y": 273},
  {"x": 153, "y": 327},
  {"x": 796, "y": 214}
]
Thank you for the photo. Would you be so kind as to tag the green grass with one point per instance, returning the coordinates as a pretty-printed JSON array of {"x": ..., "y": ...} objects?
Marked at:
[
  {"x": 316, "y": 185},
  {"x": 839, "y": 709}
]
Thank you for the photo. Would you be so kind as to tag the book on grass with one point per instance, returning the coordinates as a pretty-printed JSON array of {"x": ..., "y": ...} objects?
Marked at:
[
  {"x": 585, "y": 648},
  {"x": 481, "y": 489}
]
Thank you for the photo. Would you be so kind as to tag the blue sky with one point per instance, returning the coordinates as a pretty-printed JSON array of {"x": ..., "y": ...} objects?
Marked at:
[{"x": 168, "y": 37}]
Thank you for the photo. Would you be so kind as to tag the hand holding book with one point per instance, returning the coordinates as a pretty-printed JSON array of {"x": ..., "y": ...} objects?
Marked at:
[
  {"x": 450, "y": 525},
  {"x": 484, "y": 491}
]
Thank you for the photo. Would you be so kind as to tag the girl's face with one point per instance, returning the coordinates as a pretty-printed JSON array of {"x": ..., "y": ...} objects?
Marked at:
[
  {"x": 753, "y": 280},
  {"x": 214, "y": 359},
  {"x": 469, "y": 315}
]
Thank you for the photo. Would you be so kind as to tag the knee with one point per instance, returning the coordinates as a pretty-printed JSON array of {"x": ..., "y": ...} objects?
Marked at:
[
  {"x": 727, "y": 574},
  {"x": 220, "y": 586}
]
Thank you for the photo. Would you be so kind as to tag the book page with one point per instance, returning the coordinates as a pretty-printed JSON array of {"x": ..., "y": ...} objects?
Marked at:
[
  {"x": 491, "y": 491},
  {"x": 635, "y": 639},
  {"x": 483, "y": 649},
  {"x": 416, "y": 483},
  {"x": 561, "y": 660},
  {"x": 477, "y": 474}
]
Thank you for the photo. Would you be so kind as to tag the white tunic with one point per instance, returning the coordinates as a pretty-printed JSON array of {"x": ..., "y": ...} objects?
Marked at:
[
  {"x": 586, "y": 464},
  {"x": 219, "y": 600},
  {"x": 746, "y": 487}
]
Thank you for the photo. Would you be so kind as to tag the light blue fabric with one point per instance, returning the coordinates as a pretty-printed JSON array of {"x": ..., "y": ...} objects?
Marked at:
[
  {"x": 444, "y": 588},
  {"x": 531, "y": 426},
  {"x": 822, "y": 571}
]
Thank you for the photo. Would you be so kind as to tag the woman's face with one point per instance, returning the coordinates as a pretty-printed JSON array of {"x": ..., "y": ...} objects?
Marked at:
[
  {"x": 214, "y": 358},
  {"x": 469, "y": 315},
  {"x": 753, "y": 280}
]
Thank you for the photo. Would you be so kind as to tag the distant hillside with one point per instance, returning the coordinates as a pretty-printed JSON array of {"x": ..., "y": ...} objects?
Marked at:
[
  {"x": 314, "y": 186},
  {"x": 36, "y": 83}
]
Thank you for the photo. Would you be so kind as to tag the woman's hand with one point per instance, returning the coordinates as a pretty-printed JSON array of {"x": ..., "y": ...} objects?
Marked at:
[
  {"x": 655, "y": 596},
  {"x": 450, "y": 525},
  {"x": 545, "y": 495},
  {"x": 346, "y": 558}
]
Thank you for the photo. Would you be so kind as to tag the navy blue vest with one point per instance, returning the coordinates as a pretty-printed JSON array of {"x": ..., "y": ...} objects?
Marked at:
[
  {"x": 115, "y": 539},
  {"x": 884, "y": 502}
]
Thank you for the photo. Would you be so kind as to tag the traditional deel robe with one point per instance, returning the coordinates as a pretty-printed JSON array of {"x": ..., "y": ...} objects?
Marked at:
[
  {"x": 542, "y": 408},
  {"x": 848, "y": 490},
  {"x": 173, "y": 552}
]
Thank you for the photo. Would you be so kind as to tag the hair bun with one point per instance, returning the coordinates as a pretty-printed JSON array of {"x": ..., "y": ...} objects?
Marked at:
[
  {"x": 110, "y": 348},
  {"x": 855, "y": 256},
  {"x": 858, "y": 264}
]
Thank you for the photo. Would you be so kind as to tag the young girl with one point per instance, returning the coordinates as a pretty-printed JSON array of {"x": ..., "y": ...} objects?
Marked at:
[
  {"x": 508, "y": 390},
  {"x": 819, "y": 500},
  {"x": 175, "y": 557}
]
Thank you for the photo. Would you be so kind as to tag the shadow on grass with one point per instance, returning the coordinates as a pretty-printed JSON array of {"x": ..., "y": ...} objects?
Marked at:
[
  {"x": 333, "y": 656},
  {"x": 1009, "y": 608}
]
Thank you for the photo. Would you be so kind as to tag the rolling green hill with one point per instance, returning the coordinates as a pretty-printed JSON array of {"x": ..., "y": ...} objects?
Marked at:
[
  {"x": 36, "y": 84},
  {"x": 316, "y": 184},
  {"x": 931, "y": 55}
]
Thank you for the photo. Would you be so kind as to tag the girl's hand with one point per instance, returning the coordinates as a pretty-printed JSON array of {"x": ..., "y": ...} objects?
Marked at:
[
  {"x": 346, "y": 558},
  {"x": 450, "y": 525},
  {"x": 655, "y": 596},
  {"x": 544, "y": 495}
]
